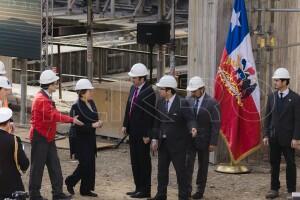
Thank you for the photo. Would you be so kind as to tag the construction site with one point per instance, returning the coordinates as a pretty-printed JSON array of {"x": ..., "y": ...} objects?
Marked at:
[{"x": 98, "y": 40}]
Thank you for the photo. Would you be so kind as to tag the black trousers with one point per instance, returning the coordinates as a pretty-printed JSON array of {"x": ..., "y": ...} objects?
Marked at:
[
  {"x": 165, "y": 157},
  {"x": 203, "y": 159},
  {"x": 275, "y": 158},
  {"x": 85, "y": 172},
  {"x": 140, "y": 163},
  {"x": 44, "y": 153}
]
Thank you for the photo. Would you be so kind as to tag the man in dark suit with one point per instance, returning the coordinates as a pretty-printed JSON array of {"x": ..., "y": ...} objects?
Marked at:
[
  {"x": 174, "y": 123},
  {"x": 12, "y": 159},
  {"x": 207, "y": 114},
  {"x": 282, "y": 130},
  {"x": 138, "y": 123}
]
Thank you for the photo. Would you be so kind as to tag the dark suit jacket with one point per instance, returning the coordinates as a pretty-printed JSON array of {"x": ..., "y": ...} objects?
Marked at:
[
  {"x": 283, "y": 126},
  {"x": 208, "y": 122},
  {"x": 10, "y": 177},
  {"x": 141, "y": 121},
  {"x": 176, "y": 124},
  {"x": 83, "y": 138}
]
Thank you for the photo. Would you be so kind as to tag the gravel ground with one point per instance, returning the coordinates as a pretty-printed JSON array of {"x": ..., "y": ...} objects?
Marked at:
[{"x": 114, "y": 179}]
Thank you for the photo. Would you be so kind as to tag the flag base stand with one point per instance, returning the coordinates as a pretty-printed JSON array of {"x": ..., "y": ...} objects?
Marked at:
[{"x": 230, "y": 168}]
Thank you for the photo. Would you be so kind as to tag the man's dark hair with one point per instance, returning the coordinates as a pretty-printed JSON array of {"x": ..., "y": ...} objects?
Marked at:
[
  {"x": 46, "y": 86},
  {"x": 145, "y": 78},
  {"x": 287, "y": 81},
  {"x": 4, "y": 123},
  {"x": 173, "y": 91}
]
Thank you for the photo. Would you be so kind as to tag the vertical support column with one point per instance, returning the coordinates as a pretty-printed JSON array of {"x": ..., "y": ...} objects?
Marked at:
[
  {"x": 23, "y": 66},
  {"x": 173, "y": 39},
  {"x": 89, "y": 56},
  {"x": 112, "y": 8},
  {"x": 161, "y": 53}
]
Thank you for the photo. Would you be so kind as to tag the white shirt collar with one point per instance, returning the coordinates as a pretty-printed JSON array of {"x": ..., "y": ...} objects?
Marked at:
[
  {"x": 285, "y": 92},
  {"x": 200, "y": 101},
  {"x": 46, "y": 91},
  {"x": 170, "y": 101}
]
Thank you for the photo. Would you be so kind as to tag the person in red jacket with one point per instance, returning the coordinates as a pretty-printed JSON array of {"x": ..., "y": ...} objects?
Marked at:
[{"x": 44, "y": 117}]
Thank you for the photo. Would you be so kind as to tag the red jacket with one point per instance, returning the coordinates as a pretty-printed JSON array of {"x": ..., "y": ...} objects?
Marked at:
[{"x": 44, "y": 116}]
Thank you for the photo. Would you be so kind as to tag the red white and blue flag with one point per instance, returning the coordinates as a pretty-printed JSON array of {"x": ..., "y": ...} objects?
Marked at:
[{"x": 237, "y": 89}]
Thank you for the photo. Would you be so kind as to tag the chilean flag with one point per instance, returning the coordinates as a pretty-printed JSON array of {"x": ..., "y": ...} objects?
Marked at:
[{"x": 237, "y": 89}]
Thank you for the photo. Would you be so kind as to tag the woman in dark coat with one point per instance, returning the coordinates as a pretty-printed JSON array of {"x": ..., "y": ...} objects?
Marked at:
[
  {"x": 12, "y": 157},
  {"x": 83, "y": 140}
]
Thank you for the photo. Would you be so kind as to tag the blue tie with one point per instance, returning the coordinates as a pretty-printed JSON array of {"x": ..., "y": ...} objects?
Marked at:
[
  {"x": 166, "y": 106},
  {"x": 196, "y": 104}
]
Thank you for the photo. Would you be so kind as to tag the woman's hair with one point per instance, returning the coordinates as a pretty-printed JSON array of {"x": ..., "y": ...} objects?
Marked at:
[{"x": 81, "y": 93}]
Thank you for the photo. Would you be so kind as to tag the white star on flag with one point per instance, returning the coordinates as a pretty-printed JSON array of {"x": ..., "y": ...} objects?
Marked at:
[{"x": 235, "y": 19}]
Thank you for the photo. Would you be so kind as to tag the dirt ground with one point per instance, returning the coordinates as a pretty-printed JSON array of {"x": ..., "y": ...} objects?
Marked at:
[{"x": 114, "y": 179}]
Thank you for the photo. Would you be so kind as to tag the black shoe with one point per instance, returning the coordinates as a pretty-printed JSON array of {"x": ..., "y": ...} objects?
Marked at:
[
  {"x": 140, "y": 195},
  {"x": 70, "y": 189},
  {"x": 272, "y": 194},
  {"x": 132, "y": 193},
  {"x": 197, "y": 195},
  {"x": 37, "y": 198},
  {"x": 89, "y": 194},
  {"x": 158, "y": 198},
  {"x": 61, "y": 196}
]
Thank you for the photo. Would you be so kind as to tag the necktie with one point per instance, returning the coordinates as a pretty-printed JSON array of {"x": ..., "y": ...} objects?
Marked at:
[
  {"x": 167, "y": 106},
  {"x": 280, "y": 103},
  {"x": 196, "y": 104},
  {"x": 133, "y": 100}
]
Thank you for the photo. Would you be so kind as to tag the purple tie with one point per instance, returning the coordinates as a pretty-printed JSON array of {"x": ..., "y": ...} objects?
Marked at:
[{"x": 133, "y": 100}]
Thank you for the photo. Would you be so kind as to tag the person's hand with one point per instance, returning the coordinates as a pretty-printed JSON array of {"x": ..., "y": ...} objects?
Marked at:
[
  {"x": 146, "y": 140},
  {"x": 124, "y": 131},
  {"x": 266, "y": 141},
  {"x": 295, "y": 144},
  {"x": 97, "y": 124},
  {"x": 212, "y": 148},
  {"x": 77, "y": 122},
  {"x": 194, "y": 132},
  {"x": 154, "y": 146}
]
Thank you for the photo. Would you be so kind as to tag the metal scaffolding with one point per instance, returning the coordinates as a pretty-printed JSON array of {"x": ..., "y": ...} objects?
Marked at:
[{"x": 46, "y": 33}]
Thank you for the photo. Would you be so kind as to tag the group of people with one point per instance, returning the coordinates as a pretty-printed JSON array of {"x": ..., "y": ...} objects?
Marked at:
[
  {"x": 44, "y": 116},
  {"x": 175, "y": 128},
  {"x": 181, "y": 128}
]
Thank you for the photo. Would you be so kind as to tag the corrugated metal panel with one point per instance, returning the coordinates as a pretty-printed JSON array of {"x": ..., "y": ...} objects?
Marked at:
[{"x": 20, "y": 28}]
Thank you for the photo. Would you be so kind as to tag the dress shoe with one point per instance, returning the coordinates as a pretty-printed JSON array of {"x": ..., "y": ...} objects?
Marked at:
[
  {"x": 89, "y": 194},
  {"x": 272, "y": 194},
  {"x": 158, "y": 198},
  {"x": 37, "y": 198},
  {"x": 197, "y": 195},
  {"x": 140, "y": 195},
  {"x": 61, "y": 196},
  {"x": 70, "y": 189},
  {"x": 132, "y": 193}
]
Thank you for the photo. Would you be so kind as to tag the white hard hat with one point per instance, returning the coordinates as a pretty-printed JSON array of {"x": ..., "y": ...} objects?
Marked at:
[
  {"x": 195, "y": 83},
  {"x": 167, "y": 81},
  {"x": 281, "y": 73},
  {"x": 138, "y": 70},
  {"x": 48, "y": 76},
  {"x": 83, "y": 84},
  {"x": 2, "y": 68},
  {"x": 5, "y": 114},
  {"x": 5, "y": 83}
]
